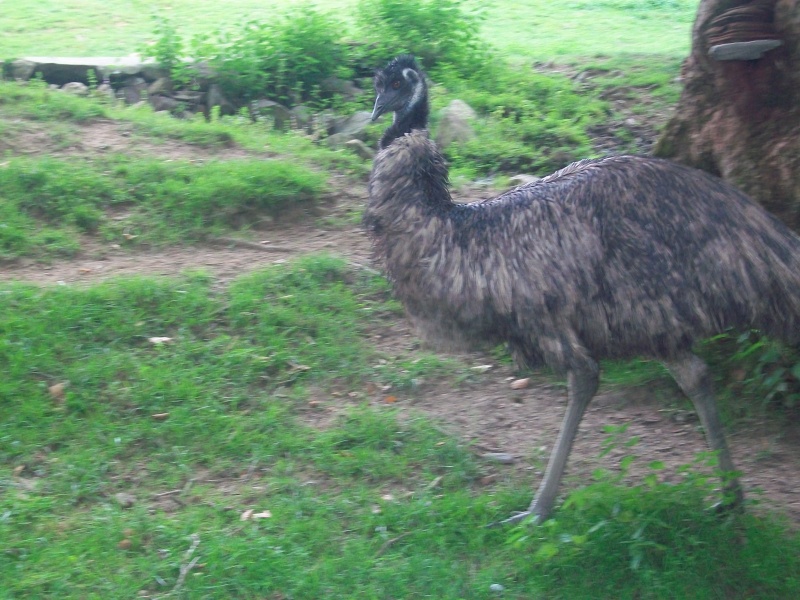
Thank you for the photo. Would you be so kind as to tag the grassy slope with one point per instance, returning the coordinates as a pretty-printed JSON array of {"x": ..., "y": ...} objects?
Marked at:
[{"x": 538, "y": 29}]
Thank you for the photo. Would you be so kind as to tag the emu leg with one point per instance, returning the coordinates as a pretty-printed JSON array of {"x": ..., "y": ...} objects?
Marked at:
[
  {"x": 693, "y": 377},
  {"x": 581, "y": 386}
]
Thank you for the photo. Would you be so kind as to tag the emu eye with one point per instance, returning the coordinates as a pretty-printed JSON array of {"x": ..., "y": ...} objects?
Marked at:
[{"x": 396, "y": 85}]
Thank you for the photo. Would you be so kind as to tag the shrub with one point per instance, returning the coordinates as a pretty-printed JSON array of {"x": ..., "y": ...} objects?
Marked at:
[
  {"x": 440, "y": 33},
  {"x": 287, "y": 59}
]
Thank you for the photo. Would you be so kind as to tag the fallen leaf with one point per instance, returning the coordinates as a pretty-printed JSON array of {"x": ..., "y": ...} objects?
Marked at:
[
  {"x": 435, "y": 483},
  {"x": 520, "y": 384},
  {"x": 159, "y": 340},
  {"x": 262, "y": 515},
  {"x": 482, "y": 368},
  {"x": 390, "y": 399},
  {"x": 246, "y": 515},
  {"x": 160, "y": 416},
  {"x": 18, "y": 470},
  {"x": 57, "y": 391},
  {"x": 387, "y": 497},
  {"x": 124, "y": 544}
]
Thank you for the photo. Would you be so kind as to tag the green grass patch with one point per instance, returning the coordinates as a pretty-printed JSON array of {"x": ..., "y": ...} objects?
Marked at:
[
  {"x": 165, "y": 201},
  {"x": 666, "y": 542},
  {"x": 201, "y": 452},
  {"x": 35, "y": 101}
]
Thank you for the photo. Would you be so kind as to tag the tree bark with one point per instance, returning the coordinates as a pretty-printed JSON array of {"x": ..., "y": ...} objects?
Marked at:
[{"x": 740, "y": 119}]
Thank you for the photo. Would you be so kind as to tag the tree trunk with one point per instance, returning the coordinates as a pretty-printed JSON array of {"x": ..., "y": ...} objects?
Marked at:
[{"x": 740, "y": 119}]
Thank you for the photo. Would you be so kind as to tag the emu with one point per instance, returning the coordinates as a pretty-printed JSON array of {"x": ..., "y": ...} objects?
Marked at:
[{"x": 619, "y": 257}]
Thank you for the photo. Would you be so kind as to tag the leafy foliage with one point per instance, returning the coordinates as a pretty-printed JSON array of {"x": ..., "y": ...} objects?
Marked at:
[
  {"x": 758, "y": 371},
  {"x": 440, "y": 33},
  {"x": 286, "y": 59}
]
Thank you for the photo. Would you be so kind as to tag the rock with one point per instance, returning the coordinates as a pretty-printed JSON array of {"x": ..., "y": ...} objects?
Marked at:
[
  {"x": 496, "y": 587},
  {"x": 355, "y": 125},
  {"x": 337, "y": 140},
  {"x": 280, "y": 116},
  {"x": 193, "y": 98},
  {"x": 361, "y": 149},
  {"x": 132, "y": 90},
  {"x": 164, "y": 103},
  {"x": 302, "y": 117},
  {"x": 215, "y": 97},
  {"x": 454, "y": 125},
  {"x": 75, "y": 87},
  {"x": 499, "y": 457},
  {"x": 324, "y": 123},
  {"x": 341, "y": 87},
  {"x": 104, "y": 90},
  {"x": 23, "y": 69},
  {"x": 162, "y": 85}
]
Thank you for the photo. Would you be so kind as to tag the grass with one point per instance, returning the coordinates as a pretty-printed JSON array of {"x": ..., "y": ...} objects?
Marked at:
[
  {"x": 236, "y": 458},
  {"x": 203, "y": 451},
  {"x": 521, "y": 31},
  {"x": 48, "y": 203}
]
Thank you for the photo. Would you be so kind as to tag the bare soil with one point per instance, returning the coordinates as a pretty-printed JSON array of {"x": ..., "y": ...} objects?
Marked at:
[{"x": 485, "y": 412}]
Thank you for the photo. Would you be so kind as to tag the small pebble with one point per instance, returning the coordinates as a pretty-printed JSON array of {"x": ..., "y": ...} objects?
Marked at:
[
  {"x": 496, "y": 587},
  {"x": 499, "y": 457}
]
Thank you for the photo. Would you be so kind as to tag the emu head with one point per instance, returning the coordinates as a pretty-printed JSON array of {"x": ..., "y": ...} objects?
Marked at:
[{"x": 400, "y": 87}]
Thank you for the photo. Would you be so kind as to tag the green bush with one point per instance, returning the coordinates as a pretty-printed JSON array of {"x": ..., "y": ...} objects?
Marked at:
[
  {"x": 440, "y": 33},
  {"x": 758, "y": 372},
  {"x": 286, "y": 59}
]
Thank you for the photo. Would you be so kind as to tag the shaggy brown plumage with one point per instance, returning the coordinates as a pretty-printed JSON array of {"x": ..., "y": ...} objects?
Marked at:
[{"x": 613, "y": 258}]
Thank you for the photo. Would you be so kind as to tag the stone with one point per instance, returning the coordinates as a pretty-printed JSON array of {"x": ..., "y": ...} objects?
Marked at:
[
  {"x": 302, "y": 117},
  {"x": 215, "y": 97},
  {"x": 280, "y": 116},
  {"x": 355, "y": 126},
  {"x": 162, "y": 85},
  {"x": 23, "y": 69},
  {"x": 341, "y": 87},
  {"x": 361, "y": 149},
  {"x": 455, "y": 125},
  {"x": 164, "y": 103},
  {"x": 75, "y": 87}
]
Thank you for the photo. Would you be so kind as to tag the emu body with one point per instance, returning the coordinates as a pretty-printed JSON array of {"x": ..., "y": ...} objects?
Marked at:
[{"x": 612, "y": 258}]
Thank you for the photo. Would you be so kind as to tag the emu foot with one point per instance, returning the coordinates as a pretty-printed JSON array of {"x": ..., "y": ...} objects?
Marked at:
[
  {"x": 517, "y": 518},
  {"x": 732, "y": 501}
]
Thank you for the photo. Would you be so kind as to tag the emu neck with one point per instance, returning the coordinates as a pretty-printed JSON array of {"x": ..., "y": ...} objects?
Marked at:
[{"x": 405, "y": 121}]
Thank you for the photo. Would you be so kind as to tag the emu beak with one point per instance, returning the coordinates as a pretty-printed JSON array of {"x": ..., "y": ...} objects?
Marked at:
[{"x": 380, "y": 107}]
